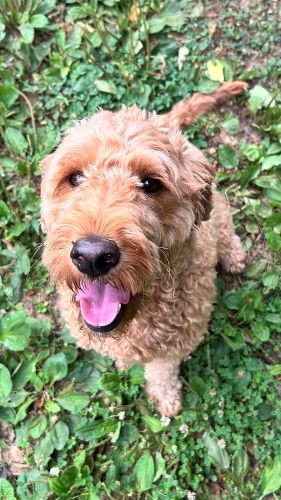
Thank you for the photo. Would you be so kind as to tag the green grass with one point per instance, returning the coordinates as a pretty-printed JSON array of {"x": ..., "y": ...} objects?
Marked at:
[{"x": 67, "y": 412}]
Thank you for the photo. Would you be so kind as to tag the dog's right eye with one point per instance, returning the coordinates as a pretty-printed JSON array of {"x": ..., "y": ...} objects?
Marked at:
[{"x": 75, "y": 178}]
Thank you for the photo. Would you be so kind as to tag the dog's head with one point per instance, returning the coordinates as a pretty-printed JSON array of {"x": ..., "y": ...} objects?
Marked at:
[{"x": 119, "y": 193}]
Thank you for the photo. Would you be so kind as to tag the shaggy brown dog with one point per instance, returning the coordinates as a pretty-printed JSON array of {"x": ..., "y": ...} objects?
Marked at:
[{"x": 135, "y": 229}]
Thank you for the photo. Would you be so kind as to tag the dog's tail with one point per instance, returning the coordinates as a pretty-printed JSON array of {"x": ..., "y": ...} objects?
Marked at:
[{"x": 185, "y": 113}]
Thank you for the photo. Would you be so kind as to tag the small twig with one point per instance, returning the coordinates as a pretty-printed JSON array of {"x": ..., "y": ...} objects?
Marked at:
[{"x": 29, "y": 105}]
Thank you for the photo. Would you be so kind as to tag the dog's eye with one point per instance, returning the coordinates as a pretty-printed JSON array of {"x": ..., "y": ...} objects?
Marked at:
[
  {"x": 75, "y": 178},
  {"x": 151, "y": 186}
]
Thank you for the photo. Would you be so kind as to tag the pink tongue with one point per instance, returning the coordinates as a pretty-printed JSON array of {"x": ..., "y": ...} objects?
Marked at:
[{"x": 101, "y": 303}]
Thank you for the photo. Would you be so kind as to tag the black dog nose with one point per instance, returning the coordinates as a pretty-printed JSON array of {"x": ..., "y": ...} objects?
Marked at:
[{"x": 95, "y": 256}]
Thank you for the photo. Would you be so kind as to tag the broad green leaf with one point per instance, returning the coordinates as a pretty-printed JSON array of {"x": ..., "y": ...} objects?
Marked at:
[
  {"x": 104, "y": 86},
  {"x": 271, "y": 477},
  {"x": 110, "y": 382},
  {"x": 259, "y": 98},
  {"x": 5, "y": 382},
  {"x": 59, "y": 435},
  {"x": 95, "y": 429},
  {"x": 15, "y": 331},
  {"x": 251, "y": 151},
  {"x": 273, "y": 240},
  {"x": 252, "y": 73},
  {"x": 116, "y": 433},
  {"x": 174, "y": 19},
  {"x": 274, "y": 194},
  {"x": 64, "y": 483},
  {"x": 275, "y": 370},
  {"x": 128, "y": 435},
  {"x": 256, "y": 268},
  {"x": 198, "y": 385},
  {"x": 79, "y": 459},
  {"x": 236, "y": 341},
  {"x": 206, "y": 85},
  {"x": 160, "y": 466},
  {"x": 27, "y": 33},
  {"x": 8, "y": 95},
  {"x": 16, "y": 398},
  {"x": 197, "y": 10},
  {"x": 153, "y": 423},
  {"x": 22, "y": 411},
  {"x": 2, "y": 31},
  {"x": 156, "y": 24},
  {"x": 5, "y": 213},
  {"x": 111, "y": 475},
  {"x": 265, "y": 411},
  {"x": 137, "y": 375},
  {"x": 218, "y": 456},
  {"x": 260, "y": 330},
  {"x": 24, "y": 373},
  {"x": 274, "y": 148},
  {"x": 231, "y": 124},
  {"x": 38, "y": 21},
  {"x": 73, "y": 401},
  {"x": 272, "y": 318},
  {"x": 95, "y": 40},
  {"x": 249, "y": 173},
  {"x": 37, "y": 426},
  {"x": 43, "y": 450},
  {"x": 227, "y": 71},
  {"x": 6, "y": 490},
  {"x": 271, "y": 161},
  {"x": 240, "y": 463},
  {"x": 22, "y": 260},
  {"x": 76, "y": 12},
  {"x": 7, "y": 415},
  {"x": 75, "y": 39},
  {"x": 270, "y": 280},
  {"x": 15, "y": 141},
  {"x": 251, "y": 227},
  {"x": 55, "y": 367},
  {"x": 227, "y": 156},
  {"x": 144, "y": 470},
  {"x": 52, "y": 407},
  {"x": 215, "y": 70},
  {"x": 240, "y": 380},
  {"x": 70, "y": 353}
]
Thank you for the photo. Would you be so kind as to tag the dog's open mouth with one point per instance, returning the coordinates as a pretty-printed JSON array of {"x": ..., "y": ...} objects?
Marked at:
[{"x": 102, "y": 305}]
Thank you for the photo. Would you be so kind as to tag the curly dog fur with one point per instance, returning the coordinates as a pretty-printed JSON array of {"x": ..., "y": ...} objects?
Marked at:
[{"x": 169, "y": 241}]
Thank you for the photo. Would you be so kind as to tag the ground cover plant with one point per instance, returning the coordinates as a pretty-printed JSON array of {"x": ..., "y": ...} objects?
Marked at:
[{"x": 70, "y": 425}]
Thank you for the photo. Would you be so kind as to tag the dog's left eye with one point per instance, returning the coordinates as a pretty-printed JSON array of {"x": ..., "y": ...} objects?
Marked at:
[
  {"x": 151, "y": 186},
  {"x": 75, "y": 178}
]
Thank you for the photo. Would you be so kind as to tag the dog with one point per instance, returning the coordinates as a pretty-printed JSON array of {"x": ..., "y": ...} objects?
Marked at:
[{"x": 135, "y": 229}]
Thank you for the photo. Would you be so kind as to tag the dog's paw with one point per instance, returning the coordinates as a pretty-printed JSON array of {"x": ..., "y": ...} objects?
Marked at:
[
  {"x": 236, "y": 267},
  {"x": 235, "y": 264},
  {"x": 169, "y": 408},
  {"x": 235, "y": 260}
]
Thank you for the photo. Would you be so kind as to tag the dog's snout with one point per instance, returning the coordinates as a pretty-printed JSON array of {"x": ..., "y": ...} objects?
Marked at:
[{"x": 95, "y": 256}]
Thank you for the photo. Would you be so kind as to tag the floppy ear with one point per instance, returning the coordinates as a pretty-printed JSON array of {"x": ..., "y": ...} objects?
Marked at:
[
  {"x": 199, "y": 177},
  {"x": 203, "y": 203},
  {"x": 44, "y": 164}
]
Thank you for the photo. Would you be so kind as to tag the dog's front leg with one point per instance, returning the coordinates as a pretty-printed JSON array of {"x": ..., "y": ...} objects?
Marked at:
[{"x": 163, "y": 385}]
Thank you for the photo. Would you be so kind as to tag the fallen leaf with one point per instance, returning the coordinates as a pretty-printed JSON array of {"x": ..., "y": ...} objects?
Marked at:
[
  {"x": 183, "y": 52},
  {"x": 215, "y": 70},
  {"x": 212, "y": 29}
]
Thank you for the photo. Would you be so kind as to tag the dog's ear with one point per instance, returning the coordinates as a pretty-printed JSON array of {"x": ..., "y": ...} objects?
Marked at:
[
  {"x": 203, "y": 203},
  {"x": 198, "y": 178},
  {"x": 44, "y": 164}
]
